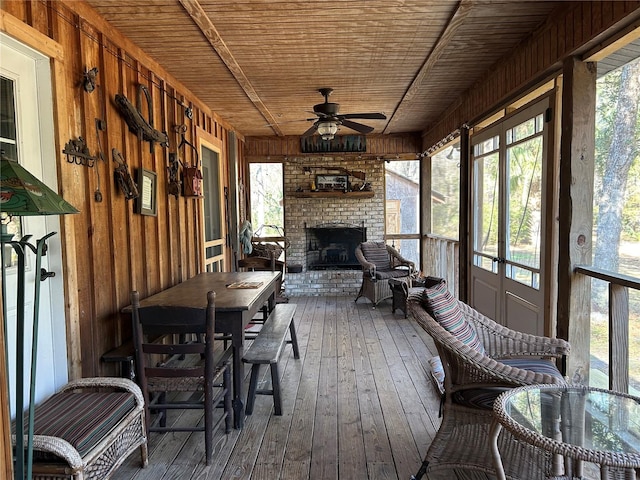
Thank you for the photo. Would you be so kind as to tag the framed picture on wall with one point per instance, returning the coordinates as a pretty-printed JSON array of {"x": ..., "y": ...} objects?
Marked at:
[
  {"x": 146, "y": 203},
  {"x": 331, "y": 182}
]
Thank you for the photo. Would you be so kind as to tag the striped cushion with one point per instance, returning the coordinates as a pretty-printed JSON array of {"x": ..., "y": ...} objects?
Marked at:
[
  {"x": 376, "y": 253},
  {"x": 395, "y": 273},
  {"x": 484, "y": 397},
  {"x": 82, "y": 419},
  {"x": 445, "y": 310}
]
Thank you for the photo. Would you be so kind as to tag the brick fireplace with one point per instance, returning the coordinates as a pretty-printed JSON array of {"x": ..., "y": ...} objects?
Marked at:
[{"x": 324, "y": 272}]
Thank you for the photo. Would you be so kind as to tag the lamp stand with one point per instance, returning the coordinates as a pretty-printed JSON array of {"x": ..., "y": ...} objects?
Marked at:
[{"x": 23, "y": 466}]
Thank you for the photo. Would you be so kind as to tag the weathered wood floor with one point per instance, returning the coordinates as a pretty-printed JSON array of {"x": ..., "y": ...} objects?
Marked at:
[{"x": 358, "y": 404}]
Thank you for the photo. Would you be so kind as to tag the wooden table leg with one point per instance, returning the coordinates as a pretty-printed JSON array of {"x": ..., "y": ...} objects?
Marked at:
[{"x": 237, "y": 344}]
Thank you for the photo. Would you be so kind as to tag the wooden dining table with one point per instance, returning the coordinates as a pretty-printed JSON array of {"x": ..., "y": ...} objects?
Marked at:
[{"x": 235, "y": 307}]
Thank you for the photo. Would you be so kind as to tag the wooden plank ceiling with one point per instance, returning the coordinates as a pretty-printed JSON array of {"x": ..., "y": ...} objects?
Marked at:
[{"x": 259, "y": 63}]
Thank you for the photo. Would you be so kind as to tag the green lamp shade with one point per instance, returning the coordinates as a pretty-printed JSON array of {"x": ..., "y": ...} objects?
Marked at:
[{"x": 23, "y": 194}]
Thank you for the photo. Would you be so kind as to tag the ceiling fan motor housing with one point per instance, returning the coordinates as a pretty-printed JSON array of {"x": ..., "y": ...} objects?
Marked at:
[{"x": 327, "y": 109}]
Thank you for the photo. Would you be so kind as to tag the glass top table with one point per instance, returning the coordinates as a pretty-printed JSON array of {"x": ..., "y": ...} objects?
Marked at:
[{"x": 581, "y": 424}]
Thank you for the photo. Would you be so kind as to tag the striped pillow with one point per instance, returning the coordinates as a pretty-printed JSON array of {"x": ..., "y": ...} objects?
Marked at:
[{"x": 445, "y": 310}]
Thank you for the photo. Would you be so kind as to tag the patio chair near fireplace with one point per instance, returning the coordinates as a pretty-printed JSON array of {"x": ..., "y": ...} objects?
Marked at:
[{"x": 380, "y": 262}]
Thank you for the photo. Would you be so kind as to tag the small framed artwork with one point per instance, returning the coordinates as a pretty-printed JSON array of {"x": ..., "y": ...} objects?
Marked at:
[
  {"x": 146, "y": 203},
  {"x": 331, "y": 182}
]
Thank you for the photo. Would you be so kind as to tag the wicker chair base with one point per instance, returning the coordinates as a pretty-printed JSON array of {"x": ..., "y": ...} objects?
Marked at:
[{"x": 462, "y": 443}]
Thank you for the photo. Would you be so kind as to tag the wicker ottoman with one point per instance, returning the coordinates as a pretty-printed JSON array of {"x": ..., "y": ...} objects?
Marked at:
[{"x": 87, "y": 429}]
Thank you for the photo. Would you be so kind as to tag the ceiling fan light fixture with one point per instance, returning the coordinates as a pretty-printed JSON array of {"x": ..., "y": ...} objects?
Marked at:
[{"x": 327, "y": 130}]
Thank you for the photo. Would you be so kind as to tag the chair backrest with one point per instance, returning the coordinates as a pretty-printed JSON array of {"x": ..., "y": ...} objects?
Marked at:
[
  {"x": 159, "y": 333},
  {"x": 376, "y": 253}
]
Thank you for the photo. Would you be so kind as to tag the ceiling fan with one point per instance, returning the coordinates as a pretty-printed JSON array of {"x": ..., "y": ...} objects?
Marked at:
[{"x": 329, "y": 119}]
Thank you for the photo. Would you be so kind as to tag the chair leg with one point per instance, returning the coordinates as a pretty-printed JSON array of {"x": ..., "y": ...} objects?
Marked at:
[
  {"x": 421, "y": 472},
  {"x": 208, "y": 421},
  {"x": 275, "y": 384},
  {"x": 226, "y": 384},
  {"x": 253, "y": 383}
]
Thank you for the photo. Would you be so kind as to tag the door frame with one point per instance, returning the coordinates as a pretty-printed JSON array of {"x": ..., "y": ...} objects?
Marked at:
[
  {"x": 221, "y": 261},
  {"x": 545, "y": 103},
  {"x": 32, "y": 38}
]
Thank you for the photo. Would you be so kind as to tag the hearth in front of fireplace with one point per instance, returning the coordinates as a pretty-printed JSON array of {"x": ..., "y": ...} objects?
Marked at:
[{"x": 333, "y": 245}]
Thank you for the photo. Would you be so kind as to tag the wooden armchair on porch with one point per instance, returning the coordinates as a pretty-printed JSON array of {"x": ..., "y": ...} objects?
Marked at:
[
  {"x": 481, "y": 359},
  {"x": 380, "y": 262}
]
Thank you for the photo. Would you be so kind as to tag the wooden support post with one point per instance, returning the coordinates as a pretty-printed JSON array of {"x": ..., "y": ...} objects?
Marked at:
[
  {"x": 577, "y": 149},
  {"x": 464, "y": 249},
  {"x": 425, "y": 211}
]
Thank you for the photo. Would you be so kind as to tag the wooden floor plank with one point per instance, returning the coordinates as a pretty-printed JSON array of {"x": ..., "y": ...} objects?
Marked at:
[
  {"x": 352, "y": 463},
  {"x": 324, "y": 457},
  {"x": 358, "y": 405}
]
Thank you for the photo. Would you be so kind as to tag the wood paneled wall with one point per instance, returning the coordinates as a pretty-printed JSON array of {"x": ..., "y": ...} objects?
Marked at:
[
  {"x": 109, "y": 249},
  {"x": 573, "y": 30}
]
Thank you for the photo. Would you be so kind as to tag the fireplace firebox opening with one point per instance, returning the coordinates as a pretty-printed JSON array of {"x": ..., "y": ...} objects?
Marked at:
[{"x": 332, "y": 246}]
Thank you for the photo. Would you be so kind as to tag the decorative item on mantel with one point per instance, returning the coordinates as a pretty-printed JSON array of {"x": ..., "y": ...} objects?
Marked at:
[
  {"x": 23, "y": 194},
  {"x": 137, "y": 123}
]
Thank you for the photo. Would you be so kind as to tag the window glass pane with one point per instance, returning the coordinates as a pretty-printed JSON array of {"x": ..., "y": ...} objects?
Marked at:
[
  {"x": 616, "y": 210},
  {"x": 487, "y": 146},
  {"x": 266, "y": 197},
  {"x": 524, "y": 202},
  {"x": 487, "y": 198},
  {"x": 445, "y": 192},
  {"x": 8, "y": 145},
  {"x": 211, "y": 190},
  {"x": 525, "y": 129},
  {"x": 403, "y": 196},
  {"x": 409, "y": 248}
]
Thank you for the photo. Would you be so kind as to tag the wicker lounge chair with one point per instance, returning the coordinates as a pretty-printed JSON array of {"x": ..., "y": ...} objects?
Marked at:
[
  {"x": 380, "y": 262},
  {"x": 478, "y": 367}
]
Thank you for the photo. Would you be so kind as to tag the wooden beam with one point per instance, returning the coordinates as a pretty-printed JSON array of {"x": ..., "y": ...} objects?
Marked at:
[
  {"x": 200, "y": 17},
  {"x": 461, "y": 13},
  {"x": 30, "y": 36},
  {"x": 575, "y": 240}
]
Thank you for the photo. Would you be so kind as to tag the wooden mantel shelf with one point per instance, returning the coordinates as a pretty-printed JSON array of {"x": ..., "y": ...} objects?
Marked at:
[{"x": 335, "y": 194}]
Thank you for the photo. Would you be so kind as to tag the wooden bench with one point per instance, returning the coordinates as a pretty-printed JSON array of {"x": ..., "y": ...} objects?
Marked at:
[
  {"x": 125, "y": 355},
  {"x": 266, "y": 350}
]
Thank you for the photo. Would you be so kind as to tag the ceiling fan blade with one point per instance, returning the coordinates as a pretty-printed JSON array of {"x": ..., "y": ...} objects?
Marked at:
[
  {"x": 311, "y": 131},
  {"x": 358, "y": 127},
  {"x": 370, "y": 116}
]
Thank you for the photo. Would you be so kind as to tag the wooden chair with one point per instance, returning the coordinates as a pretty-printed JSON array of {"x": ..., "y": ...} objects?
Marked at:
[
  {"x": 380, "y": 262},
  {"x": 481, "y": 359},
  {"x": 264, "y": 264},
  {"x": 166, "y": 365}
]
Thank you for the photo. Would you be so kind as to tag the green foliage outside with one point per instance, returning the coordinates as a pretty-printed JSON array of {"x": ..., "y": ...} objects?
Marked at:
[
  {"x": 617, "y": 208},
  {"x": 445, "y": 183},
  {"x": 266, "y": 196}
]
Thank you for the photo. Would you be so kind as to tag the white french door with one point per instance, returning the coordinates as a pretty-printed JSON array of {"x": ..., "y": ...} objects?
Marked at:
[
  {"x": 27, "y": 135},
  {"x": 509, "y": 222}
]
